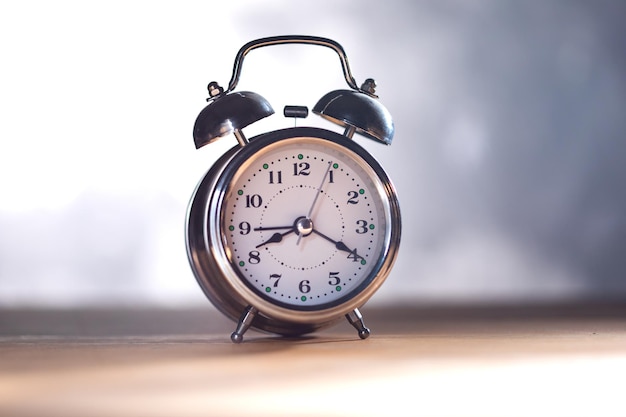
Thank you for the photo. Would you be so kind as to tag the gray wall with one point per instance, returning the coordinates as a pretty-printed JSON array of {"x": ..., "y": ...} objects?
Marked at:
[{"x": 509, "y": 155}]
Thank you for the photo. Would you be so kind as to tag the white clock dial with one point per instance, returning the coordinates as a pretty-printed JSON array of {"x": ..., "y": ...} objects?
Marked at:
[{"x": 305, "y": 223}]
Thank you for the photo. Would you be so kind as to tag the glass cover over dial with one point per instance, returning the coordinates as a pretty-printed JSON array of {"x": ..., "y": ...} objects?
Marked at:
[{"x": 306, "y": 223}]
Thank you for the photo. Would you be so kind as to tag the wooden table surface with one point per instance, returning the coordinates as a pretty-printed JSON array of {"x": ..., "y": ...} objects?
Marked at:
[{"x": 567, "y": 360}]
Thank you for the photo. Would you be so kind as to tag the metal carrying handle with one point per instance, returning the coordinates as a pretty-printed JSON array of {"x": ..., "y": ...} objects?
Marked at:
[{"x": 291, "y": 39}]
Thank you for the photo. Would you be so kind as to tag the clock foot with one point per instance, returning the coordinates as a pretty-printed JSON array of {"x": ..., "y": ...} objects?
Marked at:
[
  {"x": 355, "y": 318},
  {"x": 244, "y": 324}
]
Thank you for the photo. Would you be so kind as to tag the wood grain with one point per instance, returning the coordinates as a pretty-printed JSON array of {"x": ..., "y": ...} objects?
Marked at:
[{"x": 496, "y": 361}]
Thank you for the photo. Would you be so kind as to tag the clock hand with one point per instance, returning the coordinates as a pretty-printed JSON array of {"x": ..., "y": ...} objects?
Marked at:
[
  {"x": 317, "y": 194},
  {"x": 302, "y": 226},
  {"x": 339, "y": 245},
  {"x": 256, "y": 229},
  {"x": 319, "y": 190},
  {"x": 275, "y": 238}
]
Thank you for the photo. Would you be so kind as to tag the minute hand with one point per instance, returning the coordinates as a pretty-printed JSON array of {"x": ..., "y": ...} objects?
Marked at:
[{"x": 339, "y": 245}]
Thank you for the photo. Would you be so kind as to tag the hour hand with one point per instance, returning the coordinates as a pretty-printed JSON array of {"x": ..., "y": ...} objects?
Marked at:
[{"x": 275, "y": 238}]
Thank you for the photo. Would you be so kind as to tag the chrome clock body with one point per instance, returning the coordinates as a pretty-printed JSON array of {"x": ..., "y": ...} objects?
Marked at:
[
  {"x": 293, "y": 229},
  {"x": 302, "y": 223}
]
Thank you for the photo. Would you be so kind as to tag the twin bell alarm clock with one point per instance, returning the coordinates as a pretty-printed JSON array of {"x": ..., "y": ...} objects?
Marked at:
[{"x": 292, "y": 230}]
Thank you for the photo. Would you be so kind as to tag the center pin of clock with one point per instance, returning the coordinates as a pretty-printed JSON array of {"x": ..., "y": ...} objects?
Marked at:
[{"x": 304, "y": 226}]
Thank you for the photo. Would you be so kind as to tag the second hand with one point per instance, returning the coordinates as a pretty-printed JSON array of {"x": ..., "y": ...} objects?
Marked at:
[{"x": 317, "y": 194}]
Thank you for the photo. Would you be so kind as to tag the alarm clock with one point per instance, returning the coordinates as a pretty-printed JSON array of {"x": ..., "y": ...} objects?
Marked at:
[{"x": 292, "y": 230}]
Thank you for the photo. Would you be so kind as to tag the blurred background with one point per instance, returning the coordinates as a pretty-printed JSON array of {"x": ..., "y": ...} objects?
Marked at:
[{"x": 509, "y": 156}]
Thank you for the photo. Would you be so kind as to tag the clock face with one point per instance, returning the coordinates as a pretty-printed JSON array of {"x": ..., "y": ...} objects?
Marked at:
[{"x": 306, "y": 223}]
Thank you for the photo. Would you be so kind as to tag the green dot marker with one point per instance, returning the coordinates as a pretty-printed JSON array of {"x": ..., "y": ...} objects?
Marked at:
[
  {"x": 335, "y": 166},
  {"x": 268, "y": 289},
  {"x": 300, "y": 156},
  {"x": 363, "y": 262},
  {"x": 240, "y": 192},
  {"x": 338, "y": 288},
  {"x": 231, "y": 227},
  {"x": 361, "y": 191},
  {"x": 303, "y": 298},
  {"x": 372, "y": 227},
  {"x": 241, "y": 263}
]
